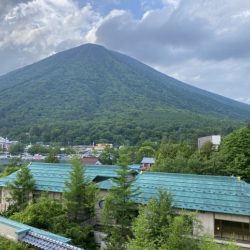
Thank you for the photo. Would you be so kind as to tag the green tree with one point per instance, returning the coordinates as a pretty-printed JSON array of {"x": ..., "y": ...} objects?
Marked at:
[
  {"x": 52, "y": 158},
  {"x": 158, "y": 227},
  {"x": 80, "y": 194},
  {"x": 40, "y": 214},
  {"x": 145, "y": 151},
  {"x": 108, "y": 156},
  {"x": 50, "y": 215},
  {"x": 207, "y": 149},
  {"x": 21, "y": 188},
  {"x": 11, "y": 167},
  {"x": 16, "y": 149},
  {"x": 150, "y": 225},
  {"x": 234, "y": 153},
  {"x": 38, "y": 149},
  {"x": 6, "y": 244},
  {"x": 119, "y": 210}
]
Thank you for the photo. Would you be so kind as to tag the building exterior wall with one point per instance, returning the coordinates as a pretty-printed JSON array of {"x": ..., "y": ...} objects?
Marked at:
[
  {"x": 98, "y": 209},
  {"x": 8, "y": 232},
  {"x": 231, "y": 217},
  {"x": 204, "y": 224},
  {"x": 5, "y": 196},
  {"x": 214, "y": 139}
]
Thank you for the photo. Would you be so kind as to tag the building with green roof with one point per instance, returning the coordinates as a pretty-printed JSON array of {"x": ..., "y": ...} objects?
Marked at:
[
  {"x": 221, "y": 203},
  {"x": 32, "y": 236}
]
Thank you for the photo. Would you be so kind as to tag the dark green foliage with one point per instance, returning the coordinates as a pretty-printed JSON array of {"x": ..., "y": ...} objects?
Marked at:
[
  {"x": 52, "y": 158},
  {"x": 207, "y": 149},
  {"x": 80, "y": 195},
  {"x": 183, "y": 158},
  {"x": 157, "y": 228},
  {"x": 50, "y": 215},
  {"x": 16, "y": 149},
  {"x": 119, "y": 208},
  {"x": 91, "y": 94},
  {"x": 234, "y": 153},
  {"x": 6, "y": 244},
  {"x": 108, "y": 156},
  {"x": 41, "y": 214},
  {"x": 38, "y": 149},
  {"x": 21, "y": 188},
  {"x": 13, "y": 165}
]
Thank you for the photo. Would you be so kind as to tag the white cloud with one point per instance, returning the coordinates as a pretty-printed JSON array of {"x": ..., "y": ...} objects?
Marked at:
[
  {"x": 244, "y": 99},
  {"x": 199, "y": 42},
  {"x": 35, "y": 29}
]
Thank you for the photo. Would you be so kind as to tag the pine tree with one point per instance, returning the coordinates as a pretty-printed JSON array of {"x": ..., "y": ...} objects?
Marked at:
[
  {"x": 120, "y": 209},
  {"x": 21, "y": 188},
  {"x": 80, "y": 194}
]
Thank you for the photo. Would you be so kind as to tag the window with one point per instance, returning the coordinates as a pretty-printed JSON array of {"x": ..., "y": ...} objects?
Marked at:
[
  {"x": 101, "y": 204},
  {"x": 232, "y": 230}
]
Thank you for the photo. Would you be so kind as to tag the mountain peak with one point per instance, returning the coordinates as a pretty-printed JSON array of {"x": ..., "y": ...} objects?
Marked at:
[{"x": 90, "y": 83}]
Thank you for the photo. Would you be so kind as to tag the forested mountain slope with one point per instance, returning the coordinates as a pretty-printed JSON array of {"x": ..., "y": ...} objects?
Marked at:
[{"x": 92, "y": 87}]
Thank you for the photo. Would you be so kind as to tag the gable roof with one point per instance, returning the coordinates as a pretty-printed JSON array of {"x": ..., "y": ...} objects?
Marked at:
[
  {"x": 148, "y": 160},
  {"x": 197, "y": 192},
  {"x": 20, "y": 228},
  {"x": 52, "y": 176},
  {"x": 35, "y": 237},
  {"x": 220, "y": 194}
]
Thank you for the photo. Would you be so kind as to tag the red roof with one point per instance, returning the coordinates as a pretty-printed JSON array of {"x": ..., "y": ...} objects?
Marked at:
[{"x": 89, "y": 160}]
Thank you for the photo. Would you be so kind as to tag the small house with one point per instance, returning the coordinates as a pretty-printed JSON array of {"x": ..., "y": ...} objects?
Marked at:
[{"x": 147, "y": 163}]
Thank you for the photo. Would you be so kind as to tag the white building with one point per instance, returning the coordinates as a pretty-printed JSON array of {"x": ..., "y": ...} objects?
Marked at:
[{"x": 214, "y": 139}]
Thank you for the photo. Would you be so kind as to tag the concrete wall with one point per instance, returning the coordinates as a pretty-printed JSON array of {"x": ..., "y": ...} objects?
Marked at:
[
  {"x": 102, "y": 195},
  {"x": 204, "y": 224},
  {"x": 8, "y": 232},
  {"x": 5, "y": 200}
]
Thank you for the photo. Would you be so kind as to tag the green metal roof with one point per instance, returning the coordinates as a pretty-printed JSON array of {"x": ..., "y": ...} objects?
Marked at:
[
  {"x": 19, "y": 228},
  {"x": 197, "y": 192},
  {"x": 51, "y": 177},
  {"x": 220, "y": 194},
  {"x": 106, "y": 184}
]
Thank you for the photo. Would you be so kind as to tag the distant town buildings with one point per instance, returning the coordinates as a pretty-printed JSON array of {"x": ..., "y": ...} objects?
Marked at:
[
  {"x": 214, "y": 139},
  {"x": 102, "y": 146},
  {"x": 5, "y": 144},
  {"x": 90, "y": 161}
]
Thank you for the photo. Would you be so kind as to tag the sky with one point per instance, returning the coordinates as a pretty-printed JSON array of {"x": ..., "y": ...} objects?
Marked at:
[{"x": 205, "y": 43}]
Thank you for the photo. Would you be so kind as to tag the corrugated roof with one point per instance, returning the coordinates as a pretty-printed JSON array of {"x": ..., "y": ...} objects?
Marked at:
[
  {"x": 20, "y": 227},
  {"x": 52, "y": 177},
  {"x": 197, "y": 192},
  {"x": 45, "y": 243}
]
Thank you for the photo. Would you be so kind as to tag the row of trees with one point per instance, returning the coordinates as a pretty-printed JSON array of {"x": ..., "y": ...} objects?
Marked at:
[
  {"x": 232, "y": 157},
  {"x": 19, "y": 148}
]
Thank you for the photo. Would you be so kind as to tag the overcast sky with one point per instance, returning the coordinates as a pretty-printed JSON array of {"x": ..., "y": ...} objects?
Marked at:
[{"x": 205, "y": 43}]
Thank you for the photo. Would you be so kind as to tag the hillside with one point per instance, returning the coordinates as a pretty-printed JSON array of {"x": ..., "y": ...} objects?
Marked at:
[{"x": 91, "y": 88}]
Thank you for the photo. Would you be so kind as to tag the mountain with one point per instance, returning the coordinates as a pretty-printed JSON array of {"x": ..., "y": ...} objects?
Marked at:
[{"x": 89, "y": 88}]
